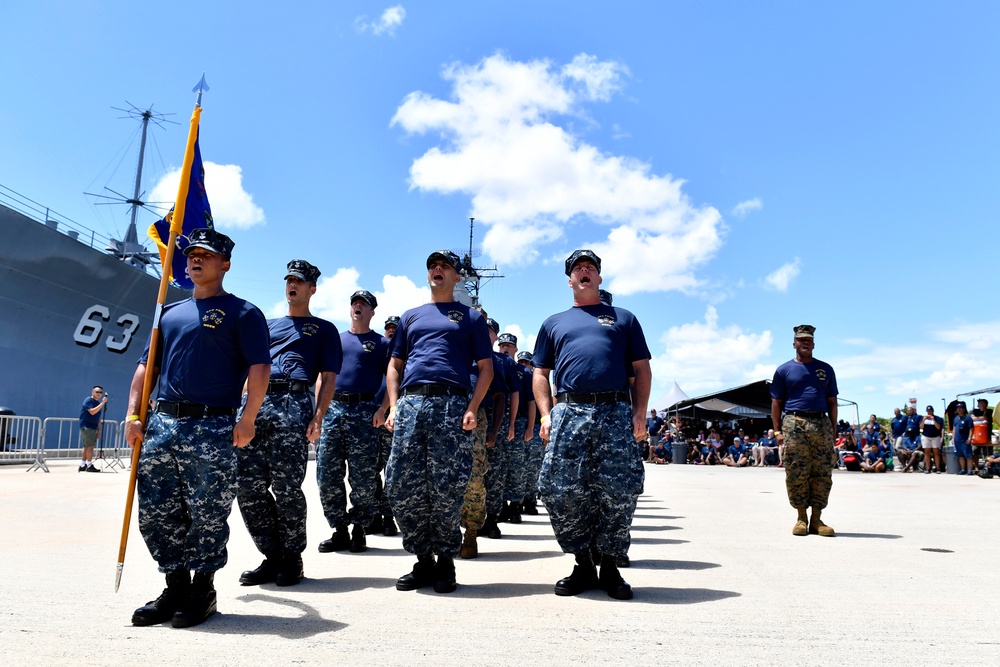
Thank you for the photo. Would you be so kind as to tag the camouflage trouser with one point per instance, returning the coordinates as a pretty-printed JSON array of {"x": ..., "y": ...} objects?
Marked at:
[
  {"x": 428, "y": 472},
  {"x": 514, "y": 487},
  {"x": 808, "y": 460},
  {"x": 348, "y": 443},
  {"x": 474, "y": 507},
  {"x": 592, "y": 476},
  {"x": 533, "y": 464},
  {"x": 270, "y": 472},
  {"x": 186, "y": 484},
  {"x": 496, "y": 476},
  {"x": 384, "y": 447}
]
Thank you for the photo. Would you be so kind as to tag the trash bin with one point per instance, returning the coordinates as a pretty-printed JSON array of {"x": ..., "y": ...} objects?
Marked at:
[
  {"x": 680, "y": 452},
  {"x": 950, "y": 460}
]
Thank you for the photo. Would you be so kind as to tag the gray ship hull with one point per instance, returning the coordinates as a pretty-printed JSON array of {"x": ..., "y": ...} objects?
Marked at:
[{"x": 70, "y": 317}]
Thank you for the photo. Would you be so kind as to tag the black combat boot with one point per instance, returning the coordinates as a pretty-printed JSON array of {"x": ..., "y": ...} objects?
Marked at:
[
  {"x": 339, "y": 541},
  {"x": 504, "y": 512},
  {"x": 358, "y": 542},
  {"x": 624, "y": 561},
  {"x": 529, "y": 506},
  {"x": 611, "y": 579},
  {"x": 375, "y": 526},
  {"x": 265, "y": 573},
  {"x": 162, "y": 608},
  {"x": 584, "y": 576},
  {"x": 444, "y": 575},
  {"x": 515, "y": 513},
  {"x": 290, "y": 570},
  {"x": 422, "y": 574},
  {"x": 200, "y": 602},
  {"x": 389, "y": 525},
  {"x": 490, "y": 529}
]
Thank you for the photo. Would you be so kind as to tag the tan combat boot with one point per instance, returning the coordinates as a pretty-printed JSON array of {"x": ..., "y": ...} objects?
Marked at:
[
  {"x": 817, "y": 527},
  {"x": 469, "y": 547},
  {"x": 801, "y": 524}
]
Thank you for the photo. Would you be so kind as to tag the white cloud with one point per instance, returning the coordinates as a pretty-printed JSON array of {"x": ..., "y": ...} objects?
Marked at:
[
  {"x": 333, "y": 293},
  {"x": 744, "y": 207},
  {"x": 232, "y": 206},
  {"x": 702, "y": 356},
  {"x": 386, "y": 24},
  {"x": 530, "y": 179},
  {"x": 782, "y": 277}
]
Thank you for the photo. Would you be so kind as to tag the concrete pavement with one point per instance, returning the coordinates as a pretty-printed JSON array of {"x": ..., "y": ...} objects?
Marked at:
[{"x": 718, "y": 578}]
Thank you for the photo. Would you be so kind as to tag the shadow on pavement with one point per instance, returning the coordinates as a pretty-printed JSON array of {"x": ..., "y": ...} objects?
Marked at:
[
  {"x": 640, "y": 529},
  {"x": 657, "y": 564},
  {"x": 326, "y": 585},
  {"x": 875, "y": 536},
  {"x": 499, "y": 590},
  {"x": 516, "y": 556},
  {"x": 657, "y": 516},
  {"x": 681, "y": 595},
  {"x": 657, "y": 540},
  {"x": 309, "y": 623}
]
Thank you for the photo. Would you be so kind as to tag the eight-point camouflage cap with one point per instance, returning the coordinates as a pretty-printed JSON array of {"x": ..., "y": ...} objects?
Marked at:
[
  {"x": 804, "y": 331},
  {"x": 303, "y": 270},
  {"x": 507, "y": 338},
  {"x": 446, "y": 255},
  {"x": 210, "y": 240},
  {"x": 524, "y": 356},
  {"x": 493, "y": 324},
  {"x": 582, "y": 254},
  {"x": 367, "y": 296},
  {"x": 391, "y": 321}
]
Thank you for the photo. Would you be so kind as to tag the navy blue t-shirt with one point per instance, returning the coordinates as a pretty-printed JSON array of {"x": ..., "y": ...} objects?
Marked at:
[
  {"x": 932, "y": 426},
  {"x": 208, "y": 348},
  {"x": 504, "y": 375},
  {"x": 736, "y": 451},
  {"x": 963, "y": 428},
  {"x": 589, "y": 348},
  {"x": 654, "y": 424},
  {"x": 88, "y": 420},
  {"x": 365, "y": 358},
  {"x": 303, "y": 347},
  {"x": 898, "y": 426},
  {"x": 527, "y": 392},
  {"x": 913, "y": 423},
  {"x": 438, "y": 341},
  {"x": 804, "y": 386}
]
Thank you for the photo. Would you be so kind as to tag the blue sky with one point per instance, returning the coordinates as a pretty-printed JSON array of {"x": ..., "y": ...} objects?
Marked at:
[{"x": 740, "y": 167}]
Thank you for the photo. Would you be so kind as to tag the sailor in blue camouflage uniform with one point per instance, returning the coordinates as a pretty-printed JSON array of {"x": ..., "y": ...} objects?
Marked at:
[
  {"x": 504, "y": 393},
  {"x": 592, "y": 473},
  {"x": 350, "y": 438},
  {"x": 383, "y": 522},
  {"x": 432, "y": 417},
  {"x": 535, "y": 449},
  {"x": 209, "y": 345},
  {"x": 517, "y": 445},
  {"x": 272, "y": 468},
  {"x": 804, "y": 414}
]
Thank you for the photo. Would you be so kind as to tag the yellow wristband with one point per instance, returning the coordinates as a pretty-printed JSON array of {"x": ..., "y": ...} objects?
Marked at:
[
  {"x": 132, "y": 418},
  {"x": 545, "y": 419},
  {"x": 392, "y": 409}
]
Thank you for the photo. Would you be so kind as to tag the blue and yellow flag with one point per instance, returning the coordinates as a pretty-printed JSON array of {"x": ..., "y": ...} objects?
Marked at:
[{"x": 198, "y": 214}]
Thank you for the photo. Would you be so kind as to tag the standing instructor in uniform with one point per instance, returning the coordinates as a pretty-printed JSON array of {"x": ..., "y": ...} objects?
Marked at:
[
  {"x": 186, "y": 481},
  {"x": 804, "y": 390},
  {"x": 592, "y": 473}
]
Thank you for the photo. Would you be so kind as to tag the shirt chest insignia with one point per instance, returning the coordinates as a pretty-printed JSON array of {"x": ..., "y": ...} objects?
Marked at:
[
  {"x": 821, "y": 374},
  {"x": 213, "y": 318},
  {"x": 368, "y": 345},
  {"x": 310, "y": 329},
  {"x": 455, "y": 316},
  {"x": 606, "y": 320}
]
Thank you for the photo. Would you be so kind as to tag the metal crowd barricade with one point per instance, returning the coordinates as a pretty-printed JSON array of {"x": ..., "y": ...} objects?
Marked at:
[
  {"x": 20, "y": 440},
  {"x": 112, "y": 444},
  {"x": 60, "y": 439}
]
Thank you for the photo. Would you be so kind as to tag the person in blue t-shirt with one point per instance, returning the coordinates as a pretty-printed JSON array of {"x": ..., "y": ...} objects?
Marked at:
[
  {"x": 804, "y": 414},
  {"x": 384, "y": 521},
  {"x": 592, "y": 473},
  {"x": 736, "y": 455},
  {"x": 432, "y": 417},
  {"x": 210, "y": 345},
  {"x": 874, "y": 458},
  {"x": 272, "y": 468},
  {"x": 90, "y": 426},
  {"x": 349, "y": 445},
  {"x": 654, "y": 424},
  {"x": 961, "y": 433}
]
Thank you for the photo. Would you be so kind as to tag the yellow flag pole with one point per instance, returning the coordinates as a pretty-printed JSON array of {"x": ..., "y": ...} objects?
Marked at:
[{"x": 176, "y": 225}]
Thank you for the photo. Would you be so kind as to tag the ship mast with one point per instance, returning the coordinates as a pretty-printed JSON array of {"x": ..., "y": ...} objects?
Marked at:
[
  {"x": 473, "y": 277},
  {"x": 131, "y": 235}
]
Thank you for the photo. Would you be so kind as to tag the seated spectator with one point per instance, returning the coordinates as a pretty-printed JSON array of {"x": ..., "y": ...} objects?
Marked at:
[
  {"x": 874, "y": 458},
  {"x": 991, "y": 467},
  {"x": 845, "y": 444},
  {"x": 660, "y": 453},
  {"x": 694, "y": 452},
  {"x": 736, "y": 456},
  {"x": 764, "y": 448},
  {"x": 709, "y": 453},
  {"x": 911, "y": 440}
]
